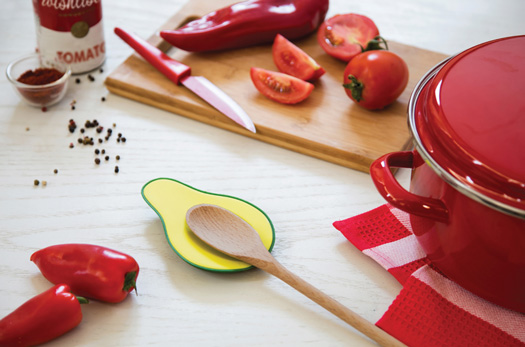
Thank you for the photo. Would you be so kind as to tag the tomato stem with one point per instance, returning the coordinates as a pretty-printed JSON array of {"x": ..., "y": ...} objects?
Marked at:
[
  {"x": 375, "y": 44},
  {"x": 356, "y": 87}
]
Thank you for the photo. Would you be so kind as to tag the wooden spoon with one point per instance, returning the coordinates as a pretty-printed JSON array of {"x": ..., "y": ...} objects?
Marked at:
[{"x": 230, "y": 234}]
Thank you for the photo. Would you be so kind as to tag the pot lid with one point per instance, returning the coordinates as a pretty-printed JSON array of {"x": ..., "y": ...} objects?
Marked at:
[{"x": 468, "y": 119}]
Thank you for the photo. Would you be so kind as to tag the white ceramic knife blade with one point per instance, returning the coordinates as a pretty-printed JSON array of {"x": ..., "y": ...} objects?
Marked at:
[{"x": 181, "y": 74}]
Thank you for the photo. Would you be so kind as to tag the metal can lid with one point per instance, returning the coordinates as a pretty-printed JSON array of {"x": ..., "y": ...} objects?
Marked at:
[{"x": 468, "y": 120}]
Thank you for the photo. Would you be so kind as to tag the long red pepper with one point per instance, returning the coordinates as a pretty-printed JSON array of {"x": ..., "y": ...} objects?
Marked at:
[
  {"x": 42, "y": 318},
  {"x": 92, "y": 271},
  {"x": 249, "y": 23}
]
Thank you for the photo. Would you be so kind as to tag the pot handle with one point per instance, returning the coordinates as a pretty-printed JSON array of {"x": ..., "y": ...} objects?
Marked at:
[{"x": 399, "y": 197}]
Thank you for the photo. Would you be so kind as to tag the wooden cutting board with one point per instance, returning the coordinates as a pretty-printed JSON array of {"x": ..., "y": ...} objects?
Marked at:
[{"x": 327, "y": 125}]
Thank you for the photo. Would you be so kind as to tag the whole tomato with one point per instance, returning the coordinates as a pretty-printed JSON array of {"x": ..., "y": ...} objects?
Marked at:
[{"x": 375, "y": 79}]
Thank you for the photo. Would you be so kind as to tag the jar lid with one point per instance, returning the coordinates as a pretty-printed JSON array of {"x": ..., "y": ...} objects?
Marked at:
[{"x": 468, "y": 121}]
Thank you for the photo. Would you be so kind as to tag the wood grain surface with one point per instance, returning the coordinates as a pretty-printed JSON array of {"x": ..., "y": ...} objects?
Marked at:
[
  {"x": 327, "y": 125},
  {"x": 178, "y": 304}
]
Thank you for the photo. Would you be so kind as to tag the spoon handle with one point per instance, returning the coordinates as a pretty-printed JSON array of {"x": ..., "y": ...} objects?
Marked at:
[{"x": 372, "y": 331}]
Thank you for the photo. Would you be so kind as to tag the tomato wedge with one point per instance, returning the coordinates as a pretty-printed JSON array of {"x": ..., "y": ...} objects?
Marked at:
[
  {"x": 292, "y": 60},
  {"x": 280, "y": 87},
  {"x": 346, "y": 35}
]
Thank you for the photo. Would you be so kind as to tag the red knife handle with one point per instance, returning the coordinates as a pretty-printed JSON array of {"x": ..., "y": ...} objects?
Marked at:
[{"x": 169, "y": 67}]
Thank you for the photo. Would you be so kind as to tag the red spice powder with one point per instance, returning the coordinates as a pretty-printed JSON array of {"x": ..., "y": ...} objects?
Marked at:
[{"x": 40, "y": 76}]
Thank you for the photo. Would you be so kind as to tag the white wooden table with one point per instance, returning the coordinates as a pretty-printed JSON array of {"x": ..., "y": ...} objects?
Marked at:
[{"x": 178, "y": 304}]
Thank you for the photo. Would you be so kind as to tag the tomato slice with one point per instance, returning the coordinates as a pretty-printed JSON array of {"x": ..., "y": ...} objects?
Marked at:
[
  {"x": 280, "y": 87},
  {"x": 346, "y": 35},
  {"x": 292, "y": 60}
]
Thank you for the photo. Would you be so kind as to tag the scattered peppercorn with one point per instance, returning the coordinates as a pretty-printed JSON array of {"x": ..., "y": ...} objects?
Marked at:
[
  {"x": 72, "y": 126},
  {"x": 100, "y": 140},
  {"x": 97, "y": 161},
  {"x": 117, "y": 157},
  {"x": 88, "y": 140},
  {"x": 55, "y": 171},
  {"x": 44, "y": 183},
  {"x": 36, "y": 182},
  {"x": 103, "y": 98},
  {"x": 77, "y": 80},
  {"x": 119, "y": 135},
  {"x": 103, "y": 151},
  {"x": 82, "y": 130},
  {"x": 99, "y": 129},
  {"x": 97, "y": 151},
  {"x": 107, "y": 157},
  {"x": 91, "y": 124},
  {"x": 123, "y": 139},
  {"x": 118, "y": 140},
  {"x": 91, "y": 78},
  {"x": 114, "y": 125},
  {"x": 80, "y": 140},
  {"x": 116, "y": 169},
  {"x": 71, "y": 145},
  {"x": 101, "y": 70}
]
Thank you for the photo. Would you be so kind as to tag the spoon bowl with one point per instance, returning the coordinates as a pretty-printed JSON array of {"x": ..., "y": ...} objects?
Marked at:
[{"x": 230, "y": 234}]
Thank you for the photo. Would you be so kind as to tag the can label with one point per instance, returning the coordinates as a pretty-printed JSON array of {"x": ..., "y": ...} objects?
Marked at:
[{"x": 70, "y": 31}]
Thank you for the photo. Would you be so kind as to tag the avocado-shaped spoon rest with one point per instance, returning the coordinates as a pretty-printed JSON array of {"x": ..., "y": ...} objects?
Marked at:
[{"x": 171, "y": 199}]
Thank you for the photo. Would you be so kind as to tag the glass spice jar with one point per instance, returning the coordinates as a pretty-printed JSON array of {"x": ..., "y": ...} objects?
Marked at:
[{"x": 70, "y": 31}]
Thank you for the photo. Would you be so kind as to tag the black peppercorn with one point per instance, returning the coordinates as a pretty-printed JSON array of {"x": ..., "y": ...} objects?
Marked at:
[
  {"x": 97, "y": 161},
  {"x": 116, "y": 169}
]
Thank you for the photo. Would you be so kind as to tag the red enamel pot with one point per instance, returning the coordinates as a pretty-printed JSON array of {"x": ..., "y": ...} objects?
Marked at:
[{"x": 467, "y": 190}]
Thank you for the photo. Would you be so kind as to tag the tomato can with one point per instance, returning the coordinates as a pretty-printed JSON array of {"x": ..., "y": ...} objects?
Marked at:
[{"x": 70, "y": 31}]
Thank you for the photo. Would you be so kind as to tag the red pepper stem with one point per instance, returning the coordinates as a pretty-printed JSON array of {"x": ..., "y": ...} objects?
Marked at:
[
  {"x": 82, "y": 300},
  {"x": 129, "y": 281}
]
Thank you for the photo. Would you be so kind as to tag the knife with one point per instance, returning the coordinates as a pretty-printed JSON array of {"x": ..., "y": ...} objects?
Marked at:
[{"x": 181, "y": 74}]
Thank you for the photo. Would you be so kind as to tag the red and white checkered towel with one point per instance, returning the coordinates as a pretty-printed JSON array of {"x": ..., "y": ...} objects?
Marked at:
[{"x": 430, "y": 310}]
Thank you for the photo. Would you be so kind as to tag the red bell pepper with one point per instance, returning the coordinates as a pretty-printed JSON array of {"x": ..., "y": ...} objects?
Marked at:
[
  {"x": 41, "y": 318},
  {"x": 249, "y": 23},
  {"x": 92, "y": 271}
]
